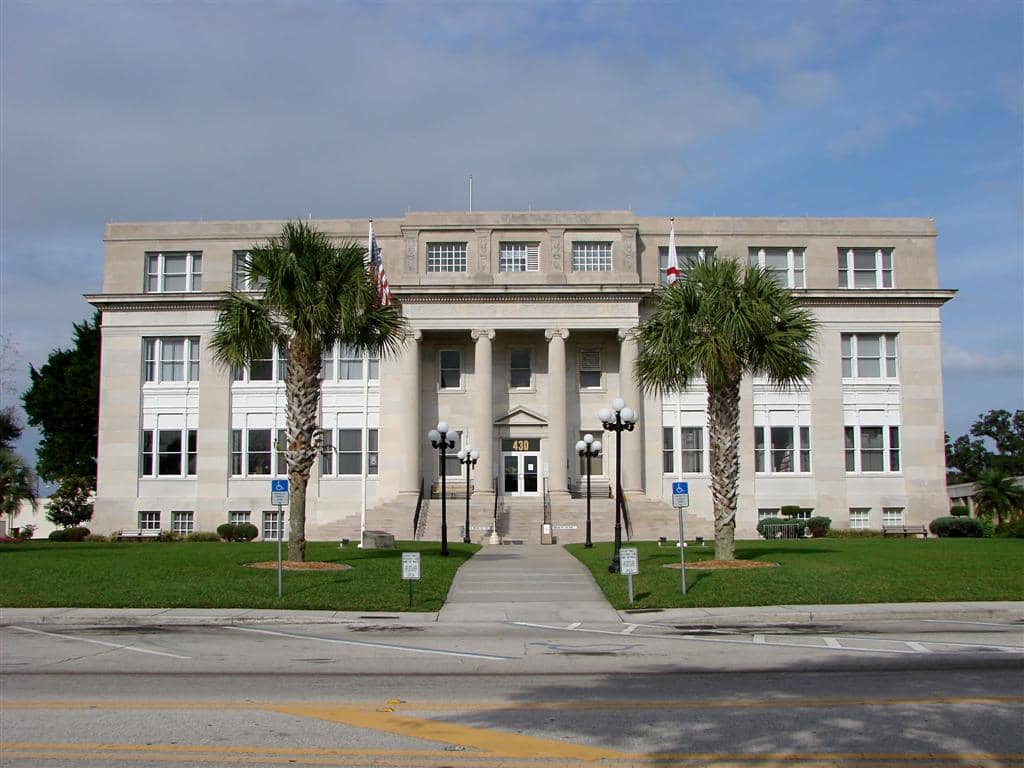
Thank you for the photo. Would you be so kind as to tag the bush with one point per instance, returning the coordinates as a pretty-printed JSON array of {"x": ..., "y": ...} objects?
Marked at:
[
  {"x": 203, "y": 536},
  {"x": 96, "y": 537},
  {"x": 818, "y": 526},
  {"x": 1011, "y": 530},
  {"x": 857, "y": 533},
  {"x": 959, "y": 511},
  {"x": 762, "y": 526},
  {"x": 8, "y": 540},
  {"x": 246, "y": 532},
  {"x": 988, "y": 528},
  {"x": 77, "y": 533},
  {"x": 168, "y": 536},
  {"x": 789, "y": 510},
  {"x": 956, "y": 527},
  {"x": 25, "y": 532},
  {"x": 226, "y": 531}
]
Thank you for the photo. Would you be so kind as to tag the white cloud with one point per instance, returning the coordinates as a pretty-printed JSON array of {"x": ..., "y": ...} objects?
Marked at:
[{"x": 956, "y": 359}]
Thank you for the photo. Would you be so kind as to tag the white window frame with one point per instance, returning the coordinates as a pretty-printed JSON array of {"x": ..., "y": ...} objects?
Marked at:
[
  {"x": 515, "y": 256},
  {"x": 154, "y": 278},
  {"x": 149, "y": 520},
  {"x": 278, "y": 369},
  {"x": 330, "y": 465},
  {"x": 440, "y": 371},
  {"x": 881, "y": 270},
  {"x": 894, "y": 516},
  {"x": 688, "y": 257},
  {"x": 238, "y": 517},
  {"x": 240, "y": 455},
  {"x": 851, "y": 345},
  {"x": 149, "y": 460},
  {"x": 183, "y": 522},
  {"x": 330, "y": 366},
  {"x": 271, "y": 523},
  {"x": 592, "y": 256},
  {"x": 590, "y": 362},
  {"x": 860, "y": 518},
  {"x": 795, "y": 264},
  {"x": 447, "y": 257},
  {"x": 892, "y": 460},
  {"x": 801, "y": 450},
  {"x": 240, "y": 278},
  {"x": 154, "y": 349}
]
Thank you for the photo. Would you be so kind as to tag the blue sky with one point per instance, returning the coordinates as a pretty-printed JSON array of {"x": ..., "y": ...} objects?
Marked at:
[{"x": 141, "y": 111}]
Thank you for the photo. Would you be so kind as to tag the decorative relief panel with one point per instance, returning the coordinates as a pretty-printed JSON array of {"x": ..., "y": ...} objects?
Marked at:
[
  {"x": 629, "y": 250},
  {"x": 483, "y": 243},
  {"x": 410, "y": 253},
  {"x": 556, "y": 236}
]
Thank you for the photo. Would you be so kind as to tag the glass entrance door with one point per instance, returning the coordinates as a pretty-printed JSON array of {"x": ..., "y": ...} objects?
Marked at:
[{"x": 521, "y": 473}]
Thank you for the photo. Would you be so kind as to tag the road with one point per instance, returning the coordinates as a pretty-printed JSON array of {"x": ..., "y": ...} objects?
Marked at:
[{"x": 385, "y": 691}]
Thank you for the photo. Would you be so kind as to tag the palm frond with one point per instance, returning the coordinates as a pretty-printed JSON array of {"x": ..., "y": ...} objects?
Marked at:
[{"x": 244, "y": 330}]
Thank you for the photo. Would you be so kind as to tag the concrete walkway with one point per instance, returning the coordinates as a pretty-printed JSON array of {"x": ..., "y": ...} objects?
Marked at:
[{"x": 533, "y": 583}]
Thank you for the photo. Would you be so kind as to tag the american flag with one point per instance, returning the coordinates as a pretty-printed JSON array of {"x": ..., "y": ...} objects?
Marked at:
[
  {"x": 377, "y": 271},
  {"x": 672, "y": 268}
]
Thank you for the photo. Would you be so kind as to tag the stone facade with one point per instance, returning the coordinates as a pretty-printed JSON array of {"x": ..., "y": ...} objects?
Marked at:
[{"x": 519, "y": 335}]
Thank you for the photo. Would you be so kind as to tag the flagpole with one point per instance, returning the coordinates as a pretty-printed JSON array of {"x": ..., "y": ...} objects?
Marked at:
[{"x": 366, "y": 419}]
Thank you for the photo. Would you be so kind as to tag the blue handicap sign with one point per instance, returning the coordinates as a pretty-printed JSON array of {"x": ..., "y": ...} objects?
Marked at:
[
  {"x": 678, "y": 488},
  {"x": 279, "y": 486}
]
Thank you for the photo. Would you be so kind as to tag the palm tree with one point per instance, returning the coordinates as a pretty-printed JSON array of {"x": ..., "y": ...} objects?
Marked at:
[
  {"x": 997, "y": 494},
  {"x": 17, "y": 483},
  {"x": 722, "y": 322},
  {"x": 315, "y": 293}
]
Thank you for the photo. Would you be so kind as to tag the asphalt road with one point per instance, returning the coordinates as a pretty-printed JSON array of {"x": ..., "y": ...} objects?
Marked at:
[{"x": 388, "y": 692}]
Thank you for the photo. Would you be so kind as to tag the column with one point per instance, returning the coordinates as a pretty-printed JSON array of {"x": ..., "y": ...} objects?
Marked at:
[
  {"x": 483, "y": 411},
  {"x": 556, "y": 458},
  {"x": 632, "y": 449},
  {"x": 409, "y": 443}
]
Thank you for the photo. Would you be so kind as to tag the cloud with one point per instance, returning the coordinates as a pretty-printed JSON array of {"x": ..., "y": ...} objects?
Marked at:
[
  {"x": 957, "y": 360},
  {"x": 809, "y": 87}
]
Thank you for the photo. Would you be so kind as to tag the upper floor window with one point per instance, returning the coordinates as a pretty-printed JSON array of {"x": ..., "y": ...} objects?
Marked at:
[
  {"x": 241, "y": 280},
  {"x": 520, "y": 373},
  {"x": 170, "y": 359},
  {"x": 174, "y": 272},
  {"x": 169, "y": 452},
  {"x": 519, "y": 257},
  {"x": 258, "y": 452},
  {"x": 784, "y": 265},
  {"x": 344, "y": 362},
  {"x": 691, "y": 450},
  {"x": 349, "y": 452},
  {"x": 686, "y": 256},
  {"x": 865, "y": 268},
  {"x": 590, "y": 368},
  {"x": 450, "y": 364},
  {"x": 872, "y": 449},
  {"x": 591, "y": 257},
  {"x": 271, "y": 365},
  {"x": 782, "y": 451},
  {"x": 869, "y": 355},
  {"x": 446, "y": 257}
]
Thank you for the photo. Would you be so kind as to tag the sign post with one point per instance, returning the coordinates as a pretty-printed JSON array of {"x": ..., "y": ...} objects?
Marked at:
[
  {"x": 629, "y": 564},
  {"x": 279, "y": 497},
  {"x": 410, "y": 570},
  {"x": 680, "y": 500}
]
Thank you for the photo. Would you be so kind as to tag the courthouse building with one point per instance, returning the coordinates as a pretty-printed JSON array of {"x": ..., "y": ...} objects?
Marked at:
[{"x": 519, "y": 334}]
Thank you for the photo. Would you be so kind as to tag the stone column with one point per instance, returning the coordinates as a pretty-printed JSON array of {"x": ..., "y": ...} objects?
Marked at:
[
  {"x": 483, "y": 411},
  {"x": 557, "y": 428},
  {"x": 410, "y": 442},
  {"x": 632, "y": 449}
]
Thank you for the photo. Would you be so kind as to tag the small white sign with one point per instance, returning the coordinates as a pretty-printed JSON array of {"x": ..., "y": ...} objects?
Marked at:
[
  {"x": 410, "y": 565},
  {"x": 629, "y": 561}
]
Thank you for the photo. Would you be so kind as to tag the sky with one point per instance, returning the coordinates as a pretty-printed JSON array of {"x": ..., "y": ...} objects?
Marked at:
[{"x": 121, "y": 111}]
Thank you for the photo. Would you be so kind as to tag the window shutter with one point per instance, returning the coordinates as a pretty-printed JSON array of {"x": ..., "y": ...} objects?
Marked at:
[
  {"x": 533, "y": 257},
  {"x": 590, "y": 360}
]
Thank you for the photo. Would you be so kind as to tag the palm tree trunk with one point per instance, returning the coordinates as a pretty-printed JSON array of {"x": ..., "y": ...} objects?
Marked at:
[
  {"x": 303, "y": 386},
  {"x": 724, "y": 428}
]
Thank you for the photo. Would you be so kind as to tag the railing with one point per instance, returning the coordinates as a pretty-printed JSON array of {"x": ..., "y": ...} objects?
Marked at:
[
  {"x": 625, "y": 518},
  {"x": 416, "y": 514},
  {"x": 498, "y": 505},
  {"x": 782, "y": 531}
]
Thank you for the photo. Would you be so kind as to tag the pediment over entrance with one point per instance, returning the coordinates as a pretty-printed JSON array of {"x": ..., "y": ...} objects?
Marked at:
[{"x": 521, "y": 417}]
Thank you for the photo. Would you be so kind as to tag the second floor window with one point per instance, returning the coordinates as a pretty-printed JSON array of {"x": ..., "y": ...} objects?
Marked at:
[
  {"x": 520, "y": 371},
  {"x": 591, "y": 257},
  {"x": 345, "y": 363},
  {"x": 241, "y": 280},
  {"x": 782, "y": 453},
  {"x": 590, "y": 369},
  {"x": 169, "y": 452},
  {"x": 686, "y": 256},
  {"x": 451, "y": 369},
  {"x": 174, "y": 272},
  {"x": 519, "y": 257},
  {"x": 170, "y": 359},
  {"x": 872, "y": 449},
  {"x": 271, "y": 365},
  {"x": 865, "y": 268},
  {"x": 446, "y": 257},
  {"x": 256, "y": 452},
  {"x": 785, "y": 265},
  {"x": 869, "y": 355}
]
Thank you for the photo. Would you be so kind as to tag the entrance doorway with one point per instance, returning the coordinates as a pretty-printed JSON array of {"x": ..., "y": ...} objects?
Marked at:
[{"x": 520, "y": 466}]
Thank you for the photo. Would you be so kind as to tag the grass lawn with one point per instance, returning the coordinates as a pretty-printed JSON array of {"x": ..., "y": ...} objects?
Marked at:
[
  {"x": 824, "y": 571},
  {"x": 212, "y": 575}
]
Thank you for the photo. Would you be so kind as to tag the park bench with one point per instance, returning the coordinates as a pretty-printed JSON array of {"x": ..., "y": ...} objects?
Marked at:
[
  {"x": 137, "y": 534},
  {"x": 904, "y": 530}
]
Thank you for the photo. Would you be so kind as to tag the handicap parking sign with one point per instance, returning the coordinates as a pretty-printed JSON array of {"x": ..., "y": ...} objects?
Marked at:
[
  {"x": 279, "y": 492},
  {"x": 680, "y": 495}
]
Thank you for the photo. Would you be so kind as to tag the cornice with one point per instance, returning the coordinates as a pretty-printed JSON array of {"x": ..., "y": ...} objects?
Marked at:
[
  {"x": 529, "y": 294},
  {"x": 850, "y": 297},
  {"x": 148, "y": 302}
]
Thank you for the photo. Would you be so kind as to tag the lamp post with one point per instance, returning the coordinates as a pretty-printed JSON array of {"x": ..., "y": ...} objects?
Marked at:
[
  {"x": 467, "y": 456},
  {"x": 439, "y": 439},
  {"x": 618, "y": 420},
  {"x": 590, "y": 448}
]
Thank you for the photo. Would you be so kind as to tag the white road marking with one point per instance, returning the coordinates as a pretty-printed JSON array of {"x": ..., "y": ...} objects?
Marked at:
[
  {"x": 385, "y": 646},
  {"x": 831, "y": 642},
  {"x": 1011, "y": 648},
  {"x": 979, "y": 623},
  {"x": 917, "y": 646},
  {"x": 629, "y": 629},
  {"x": 759, "y": 640},
  {"x": 102, "y": 642},
  {"x": 574, "y": 625}
]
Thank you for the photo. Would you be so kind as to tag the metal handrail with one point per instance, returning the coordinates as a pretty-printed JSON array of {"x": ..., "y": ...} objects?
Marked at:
[{"x": 416, "y": 514}]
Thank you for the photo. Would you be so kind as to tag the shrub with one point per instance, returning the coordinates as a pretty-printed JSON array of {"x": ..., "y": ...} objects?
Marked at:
[
  {"x": 1011, "y": 530},
  {"x": 763, "y": 525},
  {"x": 25, "y": 532},
  {"x": 956, "y": 527},
  {"x": 226, "y": 531},
  {"x": 77, "y": 533},
  {"x": 8, "y": 540},
  {"x": 203, "y": 536},
  {"x": 959, "y": 511},
  {"x": 246, "y": 532},
  {"x": 168, "y": 536},
  {"x": 96, "y": 537},
  {"x": 818, "y": 526},
  {"x": 71, "y": 503},
  {"x": 988, "y": 528},
  {"x": 789, "y": 510},
  {"x": 854, "y": 533}
]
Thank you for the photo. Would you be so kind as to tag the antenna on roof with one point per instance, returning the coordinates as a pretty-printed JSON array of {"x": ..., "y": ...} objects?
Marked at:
[{"x": 471, "y": 193}]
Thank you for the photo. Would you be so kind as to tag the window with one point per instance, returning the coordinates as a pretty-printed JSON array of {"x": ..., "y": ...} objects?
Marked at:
[
  {"x": 869, "y": 355},
  {"x": 350, "y": 452},
  {"x": 865, "y": 268},
  {"x": 241, "y": 280},
  {"x": 691, "y": 449},
  {"x": 596, "y": 462},
  {"x": 347, "y": 362},
  {"x": 784, "y": 265},
  {"x": 149, "y": 521},
  {"x": 860, "y": 518},
  {"x": 259, "y": 453},
  {"x": 446, "y": 257},
  {"x": 519, "y": 257},
  {"x": 452, "y": 467},
  {"x": 166, "y": 452},
  {"x": 350, "y": 363},
  {"x": 270, "y": 365},
  {"x": 182, "y": 522},
  {"x": 237, "y": 518},
  {"x": 256, "y": 452},
  {"x": 372, "y": 451},
  {"x": 170, "y": 359},
  {"x": 520, "y": 371},
  {"x": 872, "y": 449},
  {"x": 174, "y": 272},
  {"x": 327, "y": 452},
  {"x": 781, "y": 451},
  {"x": 590, "y": 369},
  {"x": 805, "y": 513},
  {"x": 591, "y": 257},
  {"x": 668, "y": 451},
  {"x": 892, "y": 516},
  {"x": 451, "y": 369},
  {"x": 687, "y": 257},
  {"x": 280, "y": 451},
  {"x": 272, "y": 524}
]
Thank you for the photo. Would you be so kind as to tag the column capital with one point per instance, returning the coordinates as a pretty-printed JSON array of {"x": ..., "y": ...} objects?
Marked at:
[
  {"x": 480, "y": 333},
  {"x": 561, "y": 333},
  {"x": 413, "y": 333},
  {"x": 625, "y": 333}
]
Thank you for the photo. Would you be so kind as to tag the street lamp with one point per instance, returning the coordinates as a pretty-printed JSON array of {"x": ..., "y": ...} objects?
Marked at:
[
  {"x": 590, "y": 448},
  {"x": 467, "y": 456},
  {"x": 439, "y": 439},
  {"x": 619, "y": 419}
]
